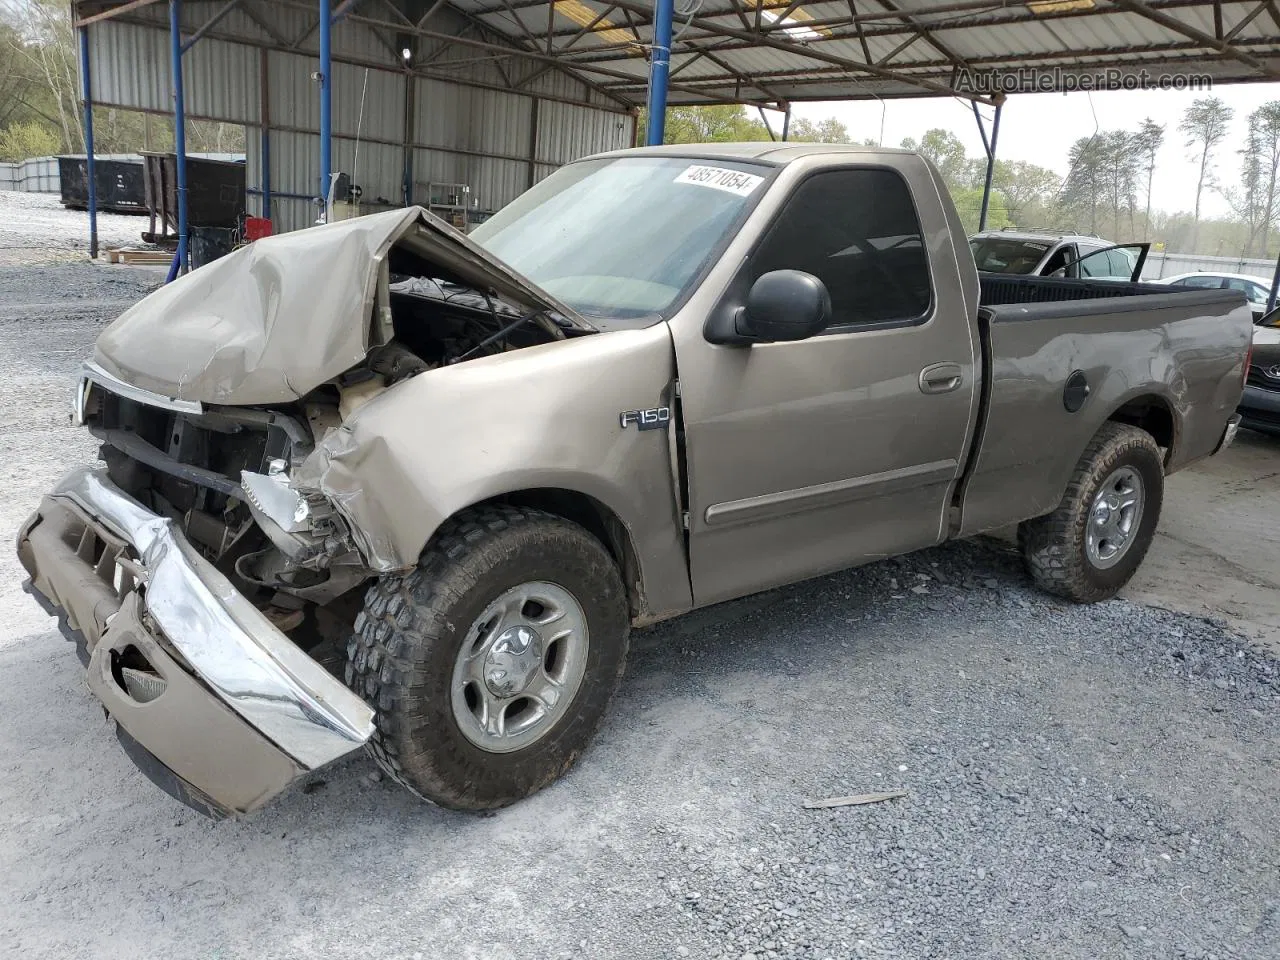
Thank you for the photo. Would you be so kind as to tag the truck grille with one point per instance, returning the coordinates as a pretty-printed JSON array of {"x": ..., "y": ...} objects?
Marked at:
[{"x": 1265, "y": 376}]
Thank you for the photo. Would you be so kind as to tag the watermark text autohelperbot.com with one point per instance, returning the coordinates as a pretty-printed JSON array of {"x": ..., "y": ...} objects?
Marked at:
[{"x": 1059, "y": 80}]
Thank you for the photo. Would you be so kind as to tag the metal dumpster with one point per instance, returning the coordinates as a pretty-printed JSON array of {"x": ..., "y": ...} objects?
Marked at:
[{"x": 119, "y": 181}]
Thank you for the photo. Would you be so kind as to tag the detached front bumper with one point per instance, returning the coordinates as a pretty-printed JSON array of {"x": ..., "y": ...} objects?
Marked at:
[{"x": 230, "y": 710}]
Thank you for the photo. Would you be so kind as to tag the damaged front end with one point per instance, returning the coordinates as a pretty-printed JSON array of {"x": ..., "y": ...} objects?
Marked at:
[{"x": 211, "y": 591}]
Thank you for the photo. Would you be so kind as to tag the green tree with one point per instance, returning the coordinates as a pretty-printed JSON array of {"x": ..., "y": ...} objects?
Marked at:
[
  {"x": 1147, "y": 143},
  {"x": 968, "y": 201},
  {"x": 830, "y": 130},
  {"x": 945, "y": 151},
  {"x": 1120, "y": 155},
  {"x": 1029, "y": 191},
  {"x": 1260, "y": 168},
  {"x": 24, "y": 139},
  {"x": 1085, "y": 186},
  {"x": 1205, "y": 126},
  {"x": 729, "y": 123}
]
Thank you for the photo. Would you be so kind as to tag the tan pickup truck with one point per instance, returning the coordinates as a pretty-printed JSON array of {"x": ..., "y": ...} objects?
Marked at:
[{"x": 381, "y": 484}]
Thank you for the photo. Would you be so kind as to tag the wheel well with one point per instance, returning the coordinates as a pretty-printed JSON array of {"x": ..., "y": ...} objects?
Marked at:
[
  {"x": 598, "y": 520},
  {"x": 1152, "y": 414}
]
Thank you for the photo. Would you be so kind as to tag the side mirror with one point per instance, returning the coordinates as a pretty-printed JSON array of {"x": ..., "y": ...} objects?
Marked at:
[{"x": 784, "y": 305}]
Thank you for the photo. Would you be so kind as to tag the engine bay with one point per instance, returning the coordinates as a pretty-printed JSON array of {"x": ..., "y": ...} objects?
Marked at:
[{"x": 222, "y": 474}]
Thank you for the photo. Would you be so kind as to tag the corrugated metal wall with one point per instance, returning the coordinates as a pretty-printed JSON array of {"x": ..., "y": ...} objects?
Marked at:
[
  {"x": 459, "y": 133},
  {"x": 36, "y": 175},
  {"x": 1171, "y": 264}
]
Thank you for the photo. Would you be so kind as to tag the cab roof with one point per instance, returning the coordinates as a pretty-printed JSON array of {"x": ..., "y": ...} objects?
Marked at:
[{"x": 765, "y": 151}]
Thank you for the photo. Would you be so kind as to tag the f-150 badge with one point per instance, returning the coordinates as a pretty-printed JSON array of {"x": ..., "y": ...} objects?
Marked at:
[{"x": 654, "y": 418}]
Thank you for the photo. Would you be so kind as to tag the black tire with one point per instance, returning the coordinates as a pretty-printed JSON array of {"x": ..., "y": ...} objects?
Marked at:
[
  {"x": 401, "y": 657},
  {"x": 1054, "y": 547}
]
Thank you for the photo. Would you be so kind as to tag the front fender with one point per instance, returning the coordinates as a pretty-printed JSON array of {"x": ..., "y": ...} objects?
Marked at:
[{"x": 545, "y": 417}]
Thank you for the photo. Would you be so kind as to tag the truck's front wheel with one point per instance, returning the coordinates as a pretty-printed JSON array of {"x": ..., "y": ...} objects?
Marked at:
[
  {"x": 1089, "y": 547},
  {"x": 491, "y": 665}
]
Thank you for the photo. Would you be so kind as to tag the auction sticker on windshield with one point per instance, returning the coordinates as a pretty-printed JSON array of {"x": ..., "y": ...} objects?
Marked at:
[{"x": 721, "y": 178}]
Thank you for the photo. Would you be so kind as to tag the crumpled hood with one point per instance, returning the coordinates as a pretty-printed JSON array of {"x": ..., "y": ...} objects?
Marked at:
[{"x": 280, "y": 316}]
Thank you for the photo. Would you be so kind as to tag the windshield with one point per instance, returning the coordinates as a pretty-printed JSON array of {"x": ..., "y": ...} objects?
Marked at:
[
  {"x": 1004, "y": 255},
  {"x": 622, "y": 238}
]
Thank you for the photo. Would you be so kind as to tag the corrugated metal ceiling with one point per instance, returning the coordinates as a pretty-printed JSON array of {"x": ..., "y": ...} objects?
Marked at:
[{"x": 763, "y": 51}]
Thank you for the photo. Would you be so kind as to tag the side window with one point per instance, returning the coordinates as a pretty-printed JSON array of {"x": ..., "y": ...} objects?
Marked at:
[
  {"x": 1251, "y": 290},
  {"x": 1058, "y": 260},
  {"x": 1202, "y": 283},
  {"x": 1121, "y": 263},
  {"x": 856, "y": 231},
  {"x": 1094, "y": 263}
]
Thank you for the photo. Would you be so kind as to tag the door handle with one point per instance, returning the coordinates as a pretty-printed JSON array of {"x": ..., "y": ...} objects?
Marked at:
[{"x": 941, "y": 378}]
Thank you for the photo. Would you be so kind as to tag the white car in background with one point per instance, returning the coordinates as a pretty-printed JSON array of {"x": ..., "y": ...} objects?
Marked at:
[
  {"x": 1009, "y": 251},
  {"x": 1255, "y": 288}
]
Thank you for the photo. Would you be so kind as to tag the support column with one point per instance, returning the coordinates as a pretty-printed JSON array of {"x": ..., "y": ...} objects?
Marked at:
[
  {"x": 179, "y": 264},
  {"x": 1275, "y": 287},
  {"x": 786, "y": 123},
  {"x": 533, "y": 144},
  {"x": 326, "y": 108},
  {"x": 86, "y": 88},
  {"x": 410, "y": 134},
  {"x": 659, "y": 71},
  {"x": 264, "y": 128},
  {"x": 990, "y": 145}
]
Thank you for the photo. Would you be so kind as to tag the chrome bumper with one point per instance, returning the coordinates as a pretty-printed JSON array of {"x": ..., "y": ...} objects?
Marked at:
[
  {"x": 1229, "y": 434},
  {"x": 124, "y": 576}
]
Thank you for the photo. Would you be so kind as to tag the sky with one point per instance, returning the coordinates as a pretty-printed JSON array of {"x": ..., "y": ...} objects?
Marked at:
[{"x": 1041, "y": 127}]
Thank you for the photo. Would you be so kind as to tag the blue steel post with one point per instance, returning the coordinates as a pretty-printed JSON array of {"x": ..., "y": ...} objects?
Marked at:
[
  {"x": 179, "y": 136},
  {"x": 326, "y": 112},
  {"x": 659, "y": 71},
  {"x": 264, "y": 128},
  {"x": 86, "y": 87}
]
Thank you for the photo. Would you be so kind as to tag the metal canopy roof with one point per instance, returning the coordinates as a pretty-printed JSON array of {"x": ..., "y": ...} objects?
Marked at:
[{"x": 770, "y": 52}]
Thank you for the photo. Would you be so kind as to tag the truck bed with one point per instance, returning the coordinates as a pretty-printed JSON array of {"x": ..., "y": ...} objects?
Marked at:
[
  {"x": 1000, "y": 289},
  {"x": 1165, "y": 359}
]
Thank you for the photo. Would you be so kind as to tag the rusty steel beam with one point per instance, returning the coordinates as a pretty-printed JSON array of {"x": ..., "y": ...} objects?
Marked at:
[
  {"x": 923, "y": 32},
  {"x": 862, "y": 34},
  {"x": 883, "y": 61},
  {"x": 524, "y": 53},
  {"x": 1247, "y": 19},
  {"x": 1008, "y": 13},
  {"x": 807, "y": 51},
  {"x": 940, "y": 67},
  {"x": 114, "y": 12},
  {"x": 1177, "y": 26}
]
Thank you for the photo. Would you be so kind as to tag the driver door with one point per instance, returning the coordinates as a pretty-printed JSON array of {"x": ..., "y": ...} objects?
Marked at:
[{"x": 813, "y": 455}]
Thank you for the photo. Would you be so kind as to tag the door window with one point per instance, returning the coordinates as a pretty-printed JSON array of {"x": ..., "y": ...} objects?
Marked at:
[
  {"x": 1252, "y": 290},
  {"x": 856, "y": 231},
  {"x": 1122, "y": 262},
  {"x": 1202, "y": 283},
  {"x": 1094, "y": 263},
  {"x": 1061, "y": 257}
]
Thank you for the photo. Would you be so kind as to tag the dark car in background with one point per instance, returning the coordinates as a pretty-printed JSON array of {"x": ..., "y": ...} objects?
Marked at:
[{"x": 1260, "y": 405}]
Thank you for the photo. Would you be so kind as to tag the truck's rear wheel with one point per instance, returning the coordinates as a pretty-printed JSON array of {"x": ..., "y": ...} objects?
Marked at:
[
  {"x": 1089, "y": 547},
  {"x": 491, "y": 665}
]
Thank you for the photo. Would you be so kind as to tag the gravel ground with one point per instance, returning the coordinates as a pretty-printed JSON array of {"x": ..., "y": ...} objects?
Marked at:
[
  {"x": 35, "y": 228},
  {"x": 1099, "y": 782}
]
